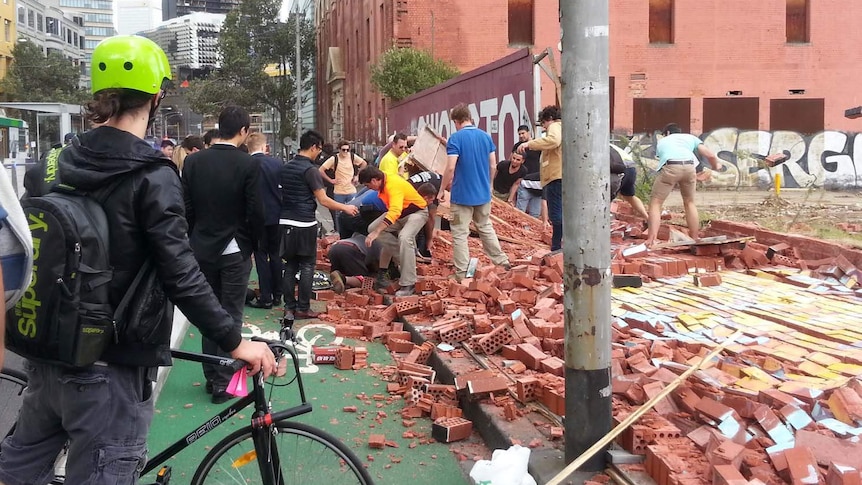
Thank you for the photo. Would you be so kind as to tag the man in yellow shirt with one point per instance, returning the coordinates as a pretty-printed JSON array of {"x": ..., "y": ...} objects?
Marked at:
[
  {"x": 397, "y": 228},
  {"x": 389, "y": 162}
]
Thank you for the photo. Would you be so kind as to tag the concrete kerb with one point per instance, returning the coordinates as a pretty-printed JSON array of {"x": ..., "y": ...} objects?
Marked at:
[{"x": 495, "y": 430}]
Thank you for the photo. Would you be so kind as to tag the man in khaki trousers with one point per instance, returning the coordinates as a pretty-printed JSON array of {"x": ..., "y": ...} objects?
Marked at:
[{"x": 472, "y": 163}]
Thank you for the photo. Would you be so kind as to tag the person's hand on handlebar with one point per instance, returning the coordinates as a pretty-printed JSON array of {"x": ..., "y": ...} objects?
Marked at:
[{"x": 258, "y": 355}]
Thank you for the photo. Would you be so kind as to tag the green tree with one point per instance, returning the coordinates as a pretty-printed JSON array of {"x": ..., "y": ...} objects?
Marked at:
[
  {"x": 249, "y": 41},
  {"x": 401, "y": 72},
  {"x": 35, "y": 77}
]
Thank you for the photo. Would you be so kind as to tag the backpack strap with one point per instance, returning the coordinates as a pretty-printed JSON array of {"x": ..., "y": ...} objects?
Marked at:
[{"x": 133, "y": 289}]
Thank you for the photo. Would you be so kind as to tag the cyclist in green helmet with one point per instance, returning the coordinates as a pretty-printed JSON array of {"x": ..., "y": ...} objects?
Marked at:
[{"x": 104, "y": 411}]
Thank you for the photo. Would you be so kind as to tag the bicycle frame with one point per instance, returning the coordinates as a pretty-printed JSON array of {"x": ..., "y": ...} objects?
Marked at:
[{"x": 261, "y": 421}]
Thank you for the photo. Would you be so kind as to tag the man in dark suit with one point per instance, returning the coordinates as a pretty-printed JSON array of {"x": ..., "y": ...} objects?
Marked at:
[
  {"x": 267, "y": 258},
  {"x": 225, "y": 219}
]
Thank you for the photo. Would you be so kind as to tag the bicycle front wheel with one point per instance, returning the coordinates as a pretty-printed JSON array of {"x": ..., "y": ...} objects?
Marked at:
[{"x": 300, "y": 455}]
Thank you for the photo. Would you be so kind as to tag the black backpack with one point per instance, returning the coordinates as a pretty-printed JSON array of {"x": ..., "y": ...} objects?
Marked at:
[{"x": 65, "y": 316}]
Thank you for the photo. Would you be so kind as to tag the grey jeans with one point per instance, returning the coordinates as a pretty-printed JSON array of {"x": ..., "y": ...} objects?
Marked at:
[{"x": 103, "y": 411}]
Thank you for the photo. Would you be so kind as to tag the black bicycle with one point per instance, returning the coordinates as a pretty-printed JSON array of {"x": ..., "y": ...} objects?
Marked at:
[{"x": 271, "y": 450}]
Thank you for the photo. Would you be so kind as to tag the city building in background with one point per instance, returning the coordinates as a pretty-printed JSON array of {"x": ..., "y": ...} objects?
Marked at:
[
  {"x": 178, "y": 8},
  {"x": 191, "y": 44},
  {"x": 7, "y": 16},
  {"x": 135, "y": 16},
  {"x": 53, "y": 30},
  {"x": 98, "y": 18},
  {"x": 308, "y": 113}
]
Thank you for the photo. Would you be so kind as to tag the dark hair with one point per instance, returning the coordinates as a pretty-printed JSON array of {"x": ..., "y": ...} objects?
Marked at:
[
  {"x": 328, "y": 149},
  {"x": 231, "y": 120},
  {"x": 192, "y": 141},
  {"x": 427, "y": 190},
  {"x": 524, "y": 128},
  {"x": 110, "y": 103},
  {"x": 209, "y": 135},
  {"x": 460, "y": 113},
  {"x": 342, "y": 143},
  {"x": 168, "y": 143},
  {"x": 550, "y": 113},
  {"x": 399, "y": 136},
  {"x": 670, "y": 129},
  {"x": 309, "y": 139},
  {"x": 370, "y": 173}
]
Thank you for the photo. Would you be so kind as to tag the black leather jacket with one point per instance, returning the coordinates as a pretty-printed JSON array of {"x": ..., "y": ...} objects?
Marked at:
[{"x": 145, "y": 213}]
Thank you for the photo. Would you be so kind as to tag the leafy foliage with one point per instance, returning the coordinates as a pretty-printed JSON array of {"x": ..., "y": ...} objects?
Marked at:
[
  {"x": 249, "y": 41},
  {"x": 401, "y": 72},
  {"x": 35, "y": 77}
]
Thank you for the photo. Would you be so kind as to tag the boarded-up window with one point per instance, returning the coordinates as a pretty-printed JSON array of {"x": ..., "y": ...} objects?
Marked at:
[
  {"x": 797, "y": 21},
  {"x": 652, "y": 114},
  {"x": 521, "y": 23},
  {"x": 612, "y": 89},
  {"x": 805, "y": 116},
  {"x": 742, "y": 113},
  {"x": 661, "y": 21}
]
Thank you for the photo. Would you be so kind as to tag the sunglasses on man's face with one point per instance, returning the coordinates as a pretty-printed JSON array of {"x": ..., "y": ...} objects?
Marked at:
[{"x": 345, "y": 149}]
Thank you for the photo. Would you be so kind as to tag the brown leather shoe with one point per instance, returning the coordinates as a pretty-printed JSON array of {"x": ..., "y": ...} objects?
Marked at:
[{"x": 306, "y": 315}]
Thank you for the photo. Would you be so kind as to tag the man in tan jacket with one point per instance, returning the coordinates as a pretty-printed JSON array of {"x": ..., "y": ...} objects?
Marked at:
[{"x": 551, "y": 169}]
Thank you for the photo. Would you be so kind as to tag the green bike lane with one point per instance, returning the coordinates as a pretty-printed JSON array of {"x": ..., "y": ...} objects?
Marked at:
[{"x": 183, "y": 406}]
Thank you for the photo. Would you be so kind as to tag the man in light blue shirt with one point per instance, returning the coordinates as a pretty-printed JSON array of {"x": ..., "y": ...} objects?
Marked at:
[{"x": 677, "y": 153}]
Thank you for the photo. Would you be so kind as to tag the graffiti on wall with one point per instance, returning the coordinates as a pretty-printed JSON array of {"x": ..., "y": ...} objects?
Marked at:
[
  {"x": 500, "y": 117},
  {"x": 829, "y": 159}
]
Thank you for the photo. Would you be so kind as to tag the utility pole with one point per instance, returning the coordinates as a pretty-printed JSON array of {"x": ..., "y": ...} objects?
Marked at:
[
  {"x": 298, "y": 80},
  {"x": 586, "y": 230}
]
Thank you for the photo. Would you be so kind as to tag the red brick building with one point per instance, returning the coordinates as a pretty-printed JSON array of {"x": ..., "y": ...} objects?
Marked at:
[{"x": 767, "y": 65}]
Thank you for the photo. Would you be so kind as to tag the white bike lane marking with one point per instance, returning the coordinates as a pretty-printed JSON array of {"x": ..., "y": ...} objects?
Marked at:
[{"x": 304, "y": 343}]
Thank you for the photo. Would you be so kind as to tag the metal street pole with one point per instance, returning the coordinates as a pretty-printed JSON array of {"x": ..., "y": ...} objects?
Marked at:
[
  {"x": 586, "y": 227},
  {"x": 298, "y": 82}
]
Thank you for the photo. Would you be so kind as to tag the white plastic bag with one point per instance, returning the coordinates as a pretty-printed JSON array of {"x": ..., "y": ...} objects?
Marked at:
[{"x": 507, "y": 467}]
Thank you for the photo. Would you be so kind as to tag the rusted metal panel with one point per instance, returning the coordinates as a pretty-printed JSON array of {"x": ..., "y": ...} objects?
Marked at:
[
  {"x": 661, "y": 21},
  {"x": 741, "y": 113},
  {"x": 499, "y": 94},
  {"x": 803, "y": 115},
  {"x": 521, "y": 23},
  {"x": 652, "y": 114}
]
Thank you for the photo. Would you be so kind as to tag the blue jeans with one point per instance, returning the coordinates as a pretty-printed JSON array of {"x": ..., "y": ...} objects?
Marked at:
[
  {"x": 553, "y": 193},
  {"x": 341, "y": 198},
  {"x": 529, "y": 203}
]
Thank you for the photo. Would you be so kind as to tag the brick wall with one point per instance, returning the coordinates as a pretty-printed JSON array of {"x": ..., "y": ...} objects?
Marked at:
[
  {"x": 738, "y": 45},
  {"x": 720, "y": 46}
]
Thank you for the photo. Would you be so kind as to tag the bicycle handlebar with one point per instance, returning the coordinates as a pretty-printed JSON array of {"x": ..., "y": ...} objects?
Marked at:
[{"x": 276, "y": 346}]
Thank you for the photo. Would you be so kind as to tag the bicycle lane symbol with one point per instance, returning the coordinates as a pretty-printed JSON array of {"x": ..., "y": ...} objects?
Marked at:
[{"x": 307, "y": 336}]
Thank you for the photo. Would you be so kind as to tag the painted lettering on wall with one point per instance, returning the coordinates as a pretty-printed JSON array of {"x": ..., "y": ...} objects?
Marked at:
[
  {"x": 829, "y": 159},
  {"x": 500, "y": 117}
]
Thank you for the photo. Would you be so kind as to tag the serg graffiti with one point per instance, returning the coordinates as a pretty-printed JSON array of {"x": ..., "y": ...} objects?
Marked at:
[{"x": 829, "y": 159}]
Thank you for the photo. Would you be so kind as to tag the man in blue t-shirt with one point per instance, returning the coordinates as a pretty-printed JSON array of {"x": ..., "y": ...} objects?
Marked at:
[
  {"x": 677, "y": 165},
  {"x": 472, "y": 163}
]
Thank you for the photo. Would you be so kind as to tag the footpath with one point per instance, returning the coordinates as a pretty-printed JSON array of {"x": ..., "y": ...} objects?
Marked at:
[{"x": 408, "y": 457}]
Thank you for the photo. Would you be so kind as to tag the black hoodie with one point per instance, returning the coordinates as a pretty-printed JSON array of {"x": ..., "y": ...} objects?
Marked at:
[{"x": 145, "y": 212}]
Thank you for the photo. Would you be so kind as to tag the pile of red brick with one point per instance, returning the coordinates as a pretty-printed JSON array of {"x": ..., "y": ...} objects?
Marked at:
[{"x": 706, "y": 430}]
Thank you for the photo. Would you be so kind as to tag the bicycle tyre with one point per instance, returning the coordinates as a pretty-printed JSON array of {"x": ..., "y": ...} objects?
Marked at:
[{"x": 308, "y": 456}]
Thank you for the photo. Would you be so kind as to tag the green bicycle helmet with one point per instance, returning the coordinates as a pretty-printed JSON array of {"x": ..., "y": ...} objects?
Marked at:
[{"x": 129, "y": 62}]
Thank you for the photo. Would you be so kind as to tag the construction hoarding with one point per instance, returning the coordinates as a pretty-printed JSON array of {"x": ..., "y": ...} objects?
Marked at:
[{"x": 500, "y": 97}]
